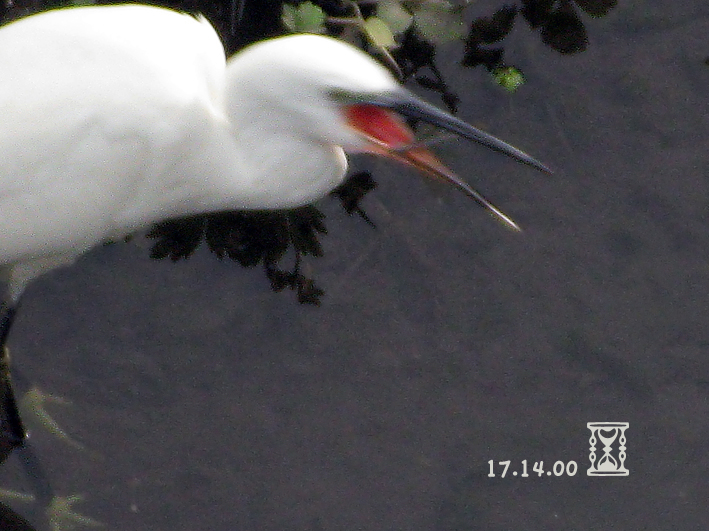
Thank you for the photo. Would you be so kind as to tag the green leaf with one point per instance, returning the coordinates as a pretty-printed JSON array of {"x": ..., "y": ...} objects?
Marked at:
[
  {"x": 306, "y": 18},
  {"x": 439, "y": 21},
  {"x": 396, "y": 17},
  {"x": 379, "y": 33},
  {"x": 508, "y": 77}
]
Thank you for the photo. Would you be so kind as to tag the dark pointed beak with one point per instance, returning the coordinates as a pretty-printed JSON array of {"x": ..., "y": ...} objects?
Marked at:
[
  {"x": 378, "y": 119},
  {"x": 407, "y": 105}
]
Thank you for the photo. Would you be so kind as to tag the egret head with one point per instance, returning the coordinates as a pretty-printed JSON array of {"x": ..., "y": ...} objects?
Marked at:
[
  {"x": 325, "y": 90},
  {"x": 303, "y": 82}
]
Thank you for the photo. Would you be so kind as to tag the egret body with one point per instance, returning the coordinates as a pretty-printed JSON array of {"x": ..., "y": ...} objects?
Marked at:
[
  {"x": 114, "y": 118},
  {"x": 117, "y": 117}
]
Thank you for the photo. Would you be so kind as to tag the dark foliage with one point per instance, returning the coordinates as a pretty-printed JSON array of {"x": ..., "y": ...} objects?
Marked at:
[{"x": 262, "y": 237}]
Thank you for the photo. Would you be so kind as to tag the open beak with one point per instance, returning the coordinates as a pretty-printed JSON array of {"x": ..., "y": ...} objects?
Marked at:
[{"x": 378, "y": 119}]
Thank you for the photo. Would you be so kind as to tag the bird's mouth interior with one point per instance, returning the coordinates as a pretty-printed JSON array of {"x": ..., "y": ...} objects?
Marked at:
[{"x": 387, "y": 134}]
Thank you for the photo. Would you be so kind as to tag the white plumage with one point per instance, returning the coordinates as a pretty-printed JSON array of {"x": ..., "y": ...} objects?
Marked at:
[{"x": 114, "y": 118}]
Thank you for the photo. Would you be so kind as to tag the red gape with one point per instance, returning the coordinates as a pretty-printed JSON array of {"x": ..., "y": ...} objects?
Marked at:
[
  {"x": 390, "y": 134},
  {"x": 378, "y": 123}
]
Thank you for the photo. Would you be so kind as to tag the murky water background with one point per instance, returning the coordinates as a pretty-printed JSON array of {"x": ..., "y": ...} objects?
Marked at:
[{"x": 208, "y": 402}]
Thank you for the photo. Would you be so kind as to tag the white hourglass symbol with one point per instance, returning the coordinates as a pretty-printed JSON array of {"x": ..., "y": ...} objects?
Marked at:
[{"x": 607, "y": 433}]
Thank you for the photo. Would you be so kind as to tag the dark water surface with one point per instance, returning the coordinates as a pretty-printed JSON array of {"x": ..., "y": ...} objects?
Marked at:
[{"x": 206, "y": 402}]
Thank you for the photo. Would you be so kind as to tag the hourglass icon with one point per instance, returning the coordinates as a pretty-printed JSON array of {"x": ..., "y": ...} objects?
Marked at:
[{"x": 607, "y": 433}]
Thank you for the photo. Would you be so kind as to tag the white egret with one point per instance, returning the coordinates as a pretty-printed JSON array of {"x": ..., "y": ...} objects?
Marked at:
[{"x": 113, "y": 118}]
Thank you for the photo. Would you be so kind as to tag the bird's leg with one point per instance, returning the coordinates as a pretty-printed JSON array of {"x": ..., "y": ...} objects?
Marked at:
[
  {"x": 12, "y": 431},
  {"x": 14, "y": 437},
  {"x": 7, "y": 314}
]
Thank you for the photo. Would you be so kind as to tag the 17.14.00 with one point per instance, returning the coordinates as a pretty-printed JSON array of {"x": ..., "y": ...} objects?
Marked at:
[{"x": 559, "y": 468}]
